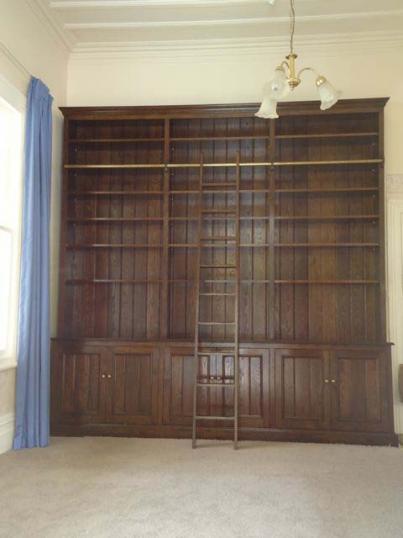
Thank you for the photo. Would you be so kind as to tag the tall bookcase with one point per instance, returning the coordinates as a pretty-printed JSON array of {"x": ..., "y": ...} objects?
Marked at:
[{"x": 311, "y": 251}]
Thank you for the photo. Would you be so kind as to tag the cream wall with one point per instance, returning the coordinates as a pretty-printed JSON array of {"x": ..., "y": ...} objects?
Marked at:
[
  {"x": 128, "y": 79},
  {"x": 27, "y": 46},
  {"x": 150, "y": 78}
]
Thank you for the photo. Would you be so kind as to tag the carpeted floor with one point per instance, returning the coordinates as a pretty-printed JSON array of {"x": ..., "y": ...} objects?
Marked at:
[{"x": 106, "y": 487}]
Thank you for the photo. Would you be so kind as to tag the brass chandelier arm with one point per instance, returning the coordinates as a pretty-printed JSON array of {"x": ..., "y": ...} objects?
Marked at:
[{"x": 308, "y": 69}]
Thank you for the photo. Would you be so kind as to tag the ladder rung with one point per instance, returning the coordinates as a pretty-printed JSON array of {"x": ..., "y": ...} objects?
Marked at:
[
  {"x": 209, "y": 417},
  {"x": 216, "y": 322}
]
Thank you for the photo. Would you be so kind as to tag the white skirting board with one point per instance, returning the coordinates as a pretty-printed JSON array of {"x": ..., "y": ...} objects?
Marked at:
[{"x": 6, "y": 432}]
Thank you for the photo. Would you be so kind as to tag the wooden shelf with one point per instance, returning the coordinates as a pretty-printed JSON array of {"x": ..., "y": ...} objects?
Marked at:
[
  {"x": 246, "y": 191},
  {"x": 241, "y": 191},
  {"x": 213, "y": 245},
  {"x": 228, "y": 138},
  {"x": 112, "y": 245},
  {"x": 113, "y": 140},
  {"x": 115, "y": 193},
  {"x": 327, "y": 282},
  {"x": 325, "y": 135},
  {"x": 329, "y": 191},
  {"x": 326, "y": 245},
  {"x": 112, "y": 166},
  {"x": 330, "y": 218},
  {"x": 111, "y": 281},
  {"x": 214, "y": 138},
  {"x": 125, "y": 281},
  {"x": 223, "y": 164},
  {"x": 324, "y": 162},
  {"x": 226, "y": 245},
  {"x": 105, "y": 220}
]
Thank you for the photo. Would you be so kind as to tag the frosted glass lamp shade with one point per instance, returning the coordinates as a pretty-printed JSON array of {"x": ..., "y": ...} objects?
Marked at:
[
  {"x": 279, "y": 87},
  {"x": 271, "y": 2},
  {"x": 268, "y": 108},
  {"x": 327, "y": 93}
]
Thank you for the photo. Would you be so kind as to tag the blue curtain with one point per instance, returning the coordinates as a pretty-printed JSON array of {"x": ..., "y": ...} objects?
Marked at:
[{"x": 32, "y": 389}]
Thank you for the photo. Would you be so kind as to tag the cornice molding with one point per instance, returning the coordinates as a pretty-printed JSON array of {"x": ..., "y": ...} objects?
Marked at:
[
  {"x": 361, "y": 42},
  {"x": 321, "y": 44},
  {"x": 84, "y": 4},
  {"x": 13, "y": 60},
  {"x": 61, "y": 36},
  {"x": 229, "y": 22}
]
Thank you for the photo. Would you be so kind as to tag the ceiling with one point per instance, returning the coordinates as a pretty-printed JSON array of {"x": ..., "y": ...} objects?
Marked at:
[{"x": 118, "y": 25}]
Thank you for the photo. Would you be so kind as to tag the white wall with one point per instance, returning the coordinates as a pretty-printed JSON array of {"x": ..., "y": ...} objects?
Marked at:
[
  {"x": 359, "y": 70},
  {"x": 27, "y": 46}
]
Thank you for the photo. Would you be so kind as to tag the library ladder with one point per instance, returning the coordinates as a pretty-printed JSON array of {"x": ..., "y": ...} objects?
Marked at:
[{"x": 223, "y": 286}]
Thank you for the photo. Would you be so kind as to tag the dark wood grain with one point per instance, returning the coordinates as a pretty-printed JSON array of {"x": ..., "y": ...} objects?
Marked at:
[{"x": 312, "y": 271}]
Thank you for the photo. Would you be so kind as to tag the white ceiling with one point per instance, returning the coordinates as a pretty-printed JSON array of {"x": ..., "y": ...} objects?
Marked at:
[{"x": 94, "y": 25}]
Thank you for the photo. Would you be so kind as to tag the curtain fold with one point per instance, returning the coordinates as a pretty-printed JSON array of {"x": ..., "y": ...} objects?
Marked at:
[{"x": 32, "y": 387}]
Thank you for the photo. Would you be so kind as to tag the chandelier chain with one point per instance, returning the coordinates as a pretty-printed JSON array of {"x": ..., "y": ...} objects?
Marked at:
[{"x": 292, "y": 26}]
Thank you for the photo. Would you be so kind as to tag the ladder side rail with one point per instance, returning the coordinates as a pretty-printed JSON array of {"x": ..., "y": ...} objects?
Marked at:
[
  {"x": 237, "y": 294},
  {"x": 197, "y": 307}
]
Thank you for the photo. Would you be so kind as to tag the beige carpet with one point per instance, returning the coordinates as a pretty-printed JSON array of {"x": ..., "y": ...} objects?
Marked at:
[{"x": 105, "y": 487}]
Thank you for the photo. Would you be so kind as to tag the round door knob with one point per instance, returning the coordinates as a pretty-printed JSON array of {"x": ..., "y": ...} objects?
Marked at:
[
  {"x": 103, "y": 376},
  {"x": 333, "y": 381},
  {"x": 109, "y": 376},
  {"x": 326, "y": 381}
]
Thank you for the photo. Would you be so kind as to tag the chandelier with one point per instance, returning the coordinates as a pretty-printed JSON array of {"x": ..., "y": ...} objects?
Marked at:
[{"x": 287, "y": 78}]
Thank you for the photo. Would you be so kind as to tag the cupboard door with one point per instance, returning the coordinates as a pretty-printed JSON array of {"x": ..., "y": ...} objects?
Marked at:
[
  {"x": 359, "y": 399},
  {"x": 217, "y": 401},
  {"x": 78, "y": 386},
  {"x": 132, "y": 386},
  {"x": 301, "y": 382},
  {"x": 254, "y": 388},
  {"x": 178, "y": 386}
]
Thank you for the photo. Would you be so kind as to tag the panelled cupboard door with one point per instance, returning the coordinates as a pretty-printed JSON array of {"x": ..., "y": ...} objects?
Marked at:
[
  {"x": 254, "y": 388},
  {"x": 359, "y": 391},
  {"x": 78, "y": 386},
  {"x": 178, "y": 386},
  {"x": 254, "y": 380},
  {"x": 132, "y": 378},
  {"x": 301, "y": 378}
]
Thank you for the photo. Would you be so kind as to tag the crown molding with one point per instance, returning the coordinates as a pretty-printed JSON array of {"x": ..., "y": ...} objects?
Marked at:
[
  {"x": 85, "y": 4},
  {"x": 227, "y": 22},
  {"x": 59, "y": 34},
  {"x": 363, "y": 42},
  {"x": 13, "y": 60}
]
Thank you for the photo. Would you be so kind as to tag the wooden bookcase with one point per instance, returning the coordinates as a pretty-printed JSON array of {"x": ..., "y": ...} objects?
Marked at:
[{"x": 311, "y": 253}]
